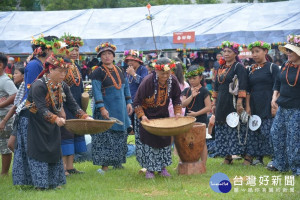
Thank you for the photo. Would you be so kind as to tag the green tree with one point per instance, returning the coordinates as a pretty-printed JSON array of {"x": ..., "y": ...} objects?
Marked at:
[{"x": 208, "y": 1}]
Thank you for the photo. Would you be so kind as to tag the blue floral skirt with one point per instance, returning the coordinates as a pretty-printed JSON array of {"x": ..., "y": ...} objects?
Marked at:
[
  {"x": 259, "y": 142},
  {"x": 47, "y": 175},
  {"x": 20, "y": 171},
  {"x": 228, "y": 141},
  {"x": 153, "y": 159},
  {"x": 286, "y": 140},
  {"x": 109, "y": 148}
]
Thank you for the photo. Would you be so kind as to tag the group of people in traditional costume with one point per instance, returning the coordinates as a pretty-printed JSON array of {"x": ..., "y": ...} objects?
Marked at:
[{"x": 52, "y": 88}]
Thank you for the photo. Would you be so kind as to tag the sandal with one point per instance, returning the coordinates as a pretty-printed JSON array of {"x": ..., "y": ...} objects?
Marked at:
[
  {"x": 248, "y": 160},
  {"x": 228, "y": 160}
]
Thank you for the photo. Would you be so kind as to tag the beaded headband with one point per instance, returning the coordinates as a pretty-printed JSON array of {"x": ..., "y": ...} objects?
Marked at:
[{"x": 104, "y": 47}]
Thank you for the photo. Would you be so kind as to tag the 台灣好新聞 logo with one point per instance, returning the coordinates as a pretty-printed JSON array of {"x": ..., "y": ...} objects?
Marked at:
[{"x": 220, "y": 183}]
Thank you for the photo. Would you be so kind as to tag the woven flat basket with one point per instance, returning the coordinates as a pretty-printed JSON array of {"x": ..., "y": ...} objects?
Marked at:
[
  {"x": 169, "y": 126},
  {"x": 83, "y": 126}
]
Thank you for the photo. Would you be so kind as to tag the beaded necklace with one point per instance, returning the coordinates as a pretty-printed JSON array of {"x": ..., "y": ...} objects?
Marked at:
[
  {"x": 116, "y": 85},
  {"x": 71, "y": 74},
  {"x": 222, "y": 70},
  {"x": 287, "y": 73},
  {"x": 53, "y": 99},
  {"x": 257, "y": 66}
]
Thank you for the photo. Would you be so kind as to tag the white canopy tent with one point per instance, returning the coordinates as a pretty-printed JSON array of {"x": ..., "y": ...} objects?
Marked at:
[{"x": 128, "y": 28}]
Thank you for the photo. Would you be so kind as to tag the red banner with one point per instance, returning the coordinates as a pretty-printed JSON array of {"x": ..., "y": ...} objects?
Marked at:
[{"x": 183, "y": 37}]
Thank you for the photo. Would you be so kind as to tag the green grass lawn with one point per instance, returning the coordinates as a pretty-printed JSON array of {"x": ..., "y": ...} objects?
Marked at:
[{"x": 129, "y": 184}]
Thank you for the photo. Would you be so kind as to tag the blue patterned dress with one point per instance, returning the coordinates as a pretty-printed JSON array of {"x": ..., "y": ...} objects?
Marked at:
[
  {"x": 260, "y": 84},
  {"x": 229, "y": 141},
  {"x": 285, "y": 130},
  {"x": 20, "y": 171},
  {"x": 110, "y": 147}
]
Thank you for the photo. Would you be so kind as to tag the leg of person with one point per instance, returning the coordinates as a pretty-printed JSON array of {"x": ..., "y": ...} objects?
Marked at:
[
  {"x": 6, "y": 155},
  {"x": 6, "y": 160},
  {"x": 79, "y": 147},
  {"x": 293, "y": 141},
  {"x": 279, "y": 135}
]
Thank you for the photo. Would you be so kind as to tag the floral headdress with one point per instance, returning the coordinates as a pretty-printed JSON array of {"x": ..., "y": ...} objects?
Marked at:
[
  {"x": 105, "y": 47},
  {"x": 133, "y": 55},
  {"x": 293, "y": 44},
  {"x": 260, "y": 44},
  {"x": 164, "y": 67},
  {"x": 232, "y": 45},
  {"x": 294, "y": 40},
  {"x": 195, "y": 72},
  {"x": 40, "y": 41},
  {"x": 72, "y": 41},
  {"x": 57, "y": 57}
]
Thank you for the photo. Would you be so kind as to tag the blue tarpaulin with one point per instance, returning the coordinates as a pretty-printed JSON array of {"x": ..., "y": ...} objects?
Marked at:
[{"x": 128, "y": 28}]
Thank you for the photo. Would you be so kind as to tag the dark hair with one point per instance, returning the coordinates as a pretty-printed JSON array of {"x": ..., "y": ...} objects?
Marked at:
[
  {"x": 280, "y": 61},
  {"x": 3, "y": 59},
  {"x": 194, "y": 67},
  {"x": 269, "y": 58},
  {"x": 163, "y": 61},
  {"x": 48, "y": 38},
  {"x": 20, "y": 67},
  {"x": 93, "y": 62},
  {"x": 150, "y": 57},
  {"x": 179, "y": 72}
]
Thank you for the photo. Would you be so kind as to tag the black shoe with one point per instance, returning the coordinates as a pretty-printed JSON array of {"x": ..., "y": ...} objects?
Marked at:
[
  {"x": 272, "y": 168},
  {"x": 74, "y": 171}
]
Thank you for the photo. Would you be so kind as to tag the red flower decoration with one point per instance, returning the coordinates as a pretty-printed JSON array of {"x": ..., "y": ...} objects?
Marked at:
[{"x": 222, "y": 61}]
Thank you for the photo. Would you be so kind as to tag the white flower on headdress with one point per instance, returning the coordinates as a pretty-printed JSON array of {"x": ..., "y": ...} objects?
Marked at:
[{"x": 166, "y": 68}]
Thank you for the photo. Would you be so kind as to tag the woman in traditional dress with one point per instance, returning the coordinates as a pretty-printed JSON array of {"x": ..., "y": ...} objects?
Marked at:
[
  {"x": 112, "y": 99},
  {"x": 45, "y": 103},
  {"x": 261, "y": 79},
  {"x": 70, "y": 142},
  {"x": 229, "y": 141},
  {"x": 151, "y": 102},
  {"x": 285, "y": 130},
  {"x": 135, "y": 72},
  {"x": 41, "y": 50}
]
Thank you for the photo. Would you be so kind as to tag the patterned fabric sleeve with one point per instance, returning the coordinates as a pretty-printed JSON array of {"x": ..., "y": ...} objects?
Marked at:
[
  {"x": 139, "y": 111},
  {"x": 243, "y": 80},
  {"x": 176, "y": 93},
  {"x": 39, "y": 92}
]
